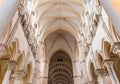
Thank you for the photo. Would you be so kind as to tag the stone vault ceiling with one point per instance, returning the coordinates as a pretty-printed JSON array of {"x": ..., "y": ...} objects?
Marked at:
[
  {"x": 60, "y": 24},
  {"x": 60, "y": 14}
]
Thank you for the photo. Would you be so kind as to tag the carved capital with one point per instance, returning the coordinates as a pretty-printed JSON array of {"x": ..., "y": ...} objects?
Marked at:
[
  {"x": 19, "y": 74},
  {"x": 108, "y": 63},
  {"x": 116, "y": 48},
  {"x": 101, "y": 72},
  {"x": 3, "y": 50},
  {"x": 11, "y": 65}
]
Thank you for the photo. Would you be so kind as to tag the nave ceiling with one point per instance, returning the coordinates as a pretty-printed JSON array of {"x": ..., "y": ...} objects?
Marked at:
[{"x": 60, "y": 14}]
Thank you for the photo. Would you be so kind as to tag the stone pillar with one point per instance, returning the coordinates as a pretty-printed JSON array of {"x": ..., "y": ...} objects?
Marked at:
[
  {"x": 39, "y": 64},
  {"x": 44, "y": 72},
  {"x": 77, "y": 73},
  {"x": 84, "y": 71},
  {"x": 83, "y": 50},
  {"x": 11, "y": 66},
  {"x": 109, "y": 66},
  {"x": 18, "y": 76},
  {"x": 101, "y": 73},
  {"x": 45, "y": 80},
  {"x": 7, "y": 10},
  {"x": 112, "y": 12},
  {"x": 77, "y": 79},
  {"x": 37, "y": 72}
]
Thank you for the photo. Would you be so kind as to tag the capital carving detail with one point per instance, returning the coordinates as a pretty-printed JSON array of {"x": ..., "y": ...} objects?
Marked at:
[
  {"x": 116, "y": 48},
  {"x": 19, "y": 74},
  {"x": 11, "y": 65},
  {"x": 108, "y": 63},
  {"x": 101, "y": 72}
]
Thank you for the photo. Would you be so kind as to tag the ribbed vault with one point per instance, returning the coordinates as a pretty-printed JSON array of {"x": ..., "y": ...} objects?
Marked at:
[
  {"x": 52, "y": 14},
  {"x": 60, "y": 69}
]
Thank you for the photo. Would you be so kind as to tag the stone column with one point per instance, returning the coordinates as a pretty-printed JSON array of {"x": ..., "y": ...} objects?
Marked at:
[
  {"x": 7, "y": 10},
  {"x": 112, "y": 12},
  {"x": 39, "y": 65},
  {"x": 44, "y": 72},
  {"x": 83, "y": 50},
  {"x": 18, "y": 76},
  {"x": 45, "y": 80},
  {"x": 84, "y": 71},
  {"x": 77, "y": 79},
  {"x": 11, "y": 66},
  {"x": 109, "y": 66},
  {"x": 37, "y": 72},
  {"x": 77, "y": 73}
]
